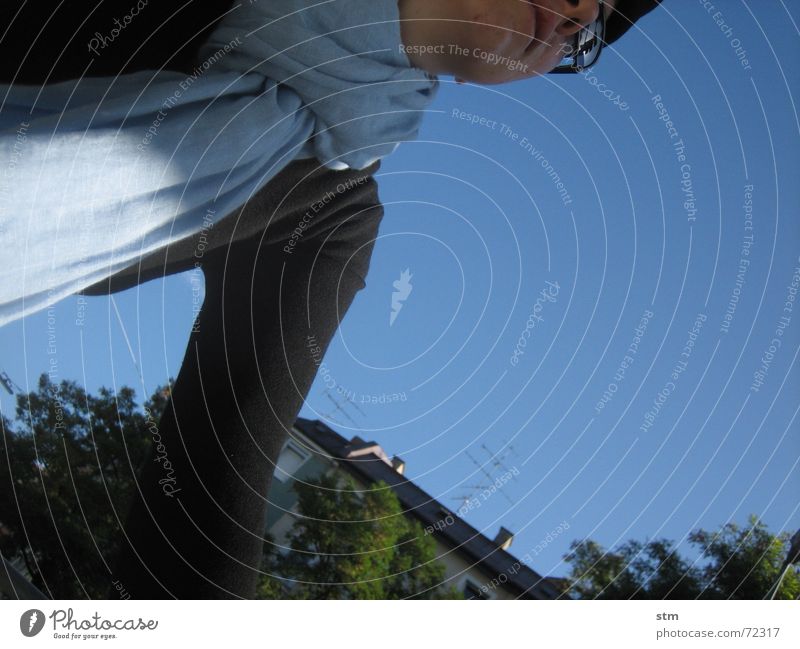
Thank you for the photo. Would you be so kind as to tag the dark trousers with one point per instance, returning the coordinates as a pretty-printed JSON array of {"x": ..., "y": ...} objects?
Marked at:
[{"x": 196, "y": 531}]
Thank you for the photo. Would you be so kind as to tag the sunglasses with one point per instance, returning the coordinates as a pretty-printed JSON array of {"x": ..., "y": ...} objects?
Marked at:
[{"x": 584, "y": 48}]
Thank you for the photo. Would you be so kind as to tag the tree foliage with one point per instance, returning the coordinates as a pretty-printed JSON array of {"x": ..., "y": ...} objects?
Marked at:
[
  {"x": 68, "y": 467},
  {"x": 734, "y": 563},
  {"x": 67, "y": 470},
  {"x": 351, "y": 544}
]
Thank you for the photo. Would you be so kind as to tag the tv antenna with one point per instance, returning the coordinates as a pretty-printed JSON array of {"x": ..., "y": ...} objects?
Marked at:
[
  {"x": 337, "y": 407},
  {"x": 9, "y": 385},
  {"x": 496, "y": 461},
  {"x": 464, "y": 499}
]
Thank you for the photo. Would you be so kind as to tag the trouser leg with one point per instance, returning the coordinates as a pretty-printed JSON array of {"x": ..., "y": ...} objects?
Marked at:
[{"x": 197, "y": 532}]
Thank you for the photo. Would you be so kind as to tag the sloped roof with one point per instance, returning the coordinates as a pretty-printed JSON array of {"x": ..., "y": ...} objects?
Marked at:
[{"x": 467, "y": 541}]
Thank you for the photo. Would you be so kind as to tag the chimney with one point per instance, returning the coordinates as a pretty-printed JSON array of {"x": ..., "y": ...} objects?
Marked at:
[
  {"x": 398, "y": 465},
  {"x": 503, "y": 539}
]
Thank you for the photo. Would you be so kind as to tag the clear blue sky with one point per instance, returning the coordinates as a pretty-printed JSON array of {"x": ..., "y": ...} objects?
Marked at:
[{"x": 476, "y": 217}]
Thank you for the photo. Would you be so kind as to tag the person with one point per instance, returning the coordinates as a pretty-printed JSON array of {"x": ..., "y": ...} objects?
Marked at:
[
  {"x": 127, "y": 165},
  {"x": 195, "y": 531}
]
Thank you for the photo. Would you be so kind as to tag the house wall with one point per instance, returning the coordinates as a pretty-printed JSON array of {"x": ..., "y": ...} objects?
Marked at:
[
  {"x": 281, "y": 514},
  {"x": 458, "y": 571}
]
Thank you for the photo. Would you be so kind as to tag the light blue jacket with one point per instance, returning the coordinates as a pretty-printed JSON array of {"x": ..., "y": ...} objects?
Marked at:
[{"x": 96, "y": 173}]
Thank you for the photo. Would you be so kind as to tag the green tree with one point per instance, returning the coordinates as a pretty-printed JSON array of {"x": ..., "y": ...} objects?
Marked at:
[
  {"x": 735, "y": 563},
  {"x": 67, "y": 467},
  {"x": 633, "y": 571},
  {"x": 746, "y": 562},
  {"x": 351, "y": 544}
]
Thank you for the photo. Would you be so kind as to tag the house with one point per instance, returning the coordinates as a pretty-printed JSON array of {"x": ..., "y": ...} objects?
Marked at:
[{"x": 480, "y": 567}]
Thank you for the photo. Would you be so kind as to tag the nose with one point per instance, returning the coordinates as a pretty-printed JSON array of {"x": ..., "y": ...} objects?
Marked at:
[{"x": 577, "y": 15}]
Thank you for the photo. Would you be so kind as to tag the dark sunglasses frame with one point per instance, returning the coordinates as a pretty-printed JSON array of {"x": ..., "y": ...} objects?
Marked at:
[{"x": 599, "y": 28}]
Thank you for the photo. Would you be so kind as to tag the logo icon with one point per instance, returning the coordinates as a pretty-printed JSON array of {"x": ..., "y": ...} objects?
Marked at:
[
  {"x": 31, "y": 622},
  {"x": 402, "y": 291}
]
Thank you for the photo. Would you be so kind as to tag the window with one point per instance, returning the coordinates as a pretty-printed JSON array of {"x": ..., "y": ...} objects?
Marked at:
[
  {"x": 473, "y": 591},
  {"x": 292, "y": 457}
]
